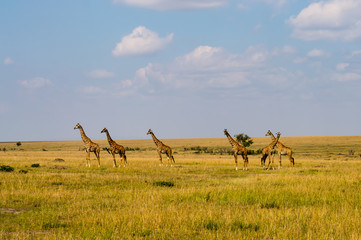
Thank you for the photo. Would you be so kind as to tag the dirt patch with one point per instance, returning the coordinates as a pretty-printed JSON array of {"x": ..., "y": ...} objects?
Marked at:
[
  {"x": 11, "y": 211},
  {"x": 59, "y": 167},
  {"x": 59, "y": 160}
]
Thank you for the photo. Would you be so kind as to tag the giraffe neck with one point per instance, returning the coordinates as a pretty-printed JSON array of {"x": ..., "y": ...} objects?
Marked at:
[
  {"x": 231, "y": 140},
  {"x": 110, "y": 140},
  {"x": 275, "y": 141},
  {"x": 83, "y": 136},
  {"x": 272, "y": 136},
  {"x": 156, "y": 141}
]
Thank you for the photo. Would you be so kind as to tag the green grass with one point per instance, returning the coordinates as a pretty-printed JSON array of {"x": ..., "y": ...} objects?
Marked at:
[{"x": 201, "y": 197}]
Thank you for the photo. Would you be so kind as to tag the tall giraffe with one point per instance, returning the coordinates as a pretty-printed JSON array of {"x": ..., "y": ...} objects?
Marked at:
[
  {"x": 269, "y": 151},
  {"x": 237, "y": 150},
  {"x": 116, "y": 149},
  {"x": 282, "y": 150},
  {"x": 162, "y": 148},
  {"x": 90, "y": 146}
]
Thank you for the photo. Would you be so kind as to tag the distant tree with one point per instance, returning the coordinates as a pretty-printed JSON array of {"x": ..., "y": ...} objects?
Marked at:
[
  {"x": 244, "y": 139},
  {"x": 18, "y": 144}
]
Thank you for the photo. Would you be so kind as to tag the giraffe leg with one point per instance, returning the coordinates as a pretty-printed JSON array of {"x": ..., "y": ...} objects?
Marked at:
[
  {"x": 169, "y": 155},
  {"x": 269, "y": 161},
  {"x": 245, "y": 161},
  {"x": 88, "y": 158},
  {"x": 122, "y": 161},
  {"x": 280, "y": 161},
  {"x": 236, "y": 160},
  {"x": 125, "y": 160},
  {"x": 263, "y": 161},
  {"x": 115, "y": 162},
  {"x": 97, "y": 154},
  {"x": 160, "y": 159},
  {"x": 292, "y": 160},
  {"x": 280, "y": 166}
]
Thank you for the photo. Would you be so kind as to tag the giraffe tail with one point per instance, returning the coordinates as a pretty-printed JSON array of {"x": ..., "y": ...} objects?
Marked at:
[{"x": 173, "y": 159}]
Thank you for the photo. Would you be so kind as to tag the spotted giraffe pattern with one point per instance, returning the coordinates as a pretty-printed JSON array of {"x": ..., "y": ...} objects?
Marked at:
[
  {"x": 162, "y": 148},
  {"x": 116, "y": 149},
  {"x": 269, "y": 151},
  {"x": 89, "y": 145},
  {"x": 237, "y": 150},
  {"x": 283, "y": 150}
]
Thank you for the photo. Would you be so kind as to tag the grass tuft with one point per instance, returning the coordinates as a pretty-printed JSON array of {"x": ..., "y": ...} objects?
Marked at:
[
  {"x": 238, "y": 225},
  {"x": 163, "y": 184},
  {"x": 211, "y": 225},
  {"x": 51, "y": 225}
]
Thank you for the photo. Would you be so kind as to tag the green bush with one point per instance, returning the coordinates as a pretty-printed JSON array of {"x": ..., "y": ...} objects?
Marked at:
[
  {"x": 35, "y": 165},
  {"x": 5, "y": 168},
  {"x": 244, "y": 139}
]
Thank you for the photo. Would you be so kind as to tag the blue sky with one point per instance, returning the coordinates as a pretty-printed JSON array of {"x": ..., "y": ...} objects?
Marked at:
[{"x": 184, "y": 68}]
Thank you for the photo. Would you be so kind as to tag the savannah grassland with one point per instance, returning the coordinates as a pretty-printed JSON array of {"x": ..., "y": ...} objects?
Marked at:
[{"x": 202, "y": 197}]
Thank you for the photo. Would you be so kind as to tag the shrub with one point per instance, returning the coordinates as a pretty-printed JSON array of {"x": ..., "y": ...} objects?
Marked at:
[
  {"x": 35, "y": 165},
  {"x": 18, "y": 144},
  {"x": 5, "y": 168},
  {"x": 164, "y": 184},
  {"x": 23, "y": 171},
  {"x": 244, "y": 139}
]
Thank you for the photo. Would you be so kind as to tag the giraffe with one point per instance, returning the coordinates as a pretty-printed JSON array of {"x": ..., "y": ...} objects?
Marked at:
[
  {"x": 238, "y": 149},
  {"x": 269, "y": 151},
  {"x": 282, "y": 150},
  {"x": 116, "y": 149},
  {"x": 90, "y": 146},
  {"x": 162, "y": 148}
]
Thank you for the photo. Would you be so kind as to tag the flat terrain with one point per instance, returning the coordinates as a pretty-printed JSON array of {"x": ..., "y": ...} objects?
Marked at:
[{"x": 201, "y": 197}]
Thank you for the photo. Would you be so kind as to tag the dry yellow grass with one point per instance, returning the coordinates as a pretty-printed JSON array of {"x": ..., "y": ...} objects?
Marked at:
[{"x": 318, "y": 199}]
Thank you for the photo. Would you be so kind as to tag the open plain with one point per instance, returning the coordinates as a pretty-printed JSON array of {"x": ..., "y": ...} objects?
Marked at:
[{"x": 51, "y": 194}]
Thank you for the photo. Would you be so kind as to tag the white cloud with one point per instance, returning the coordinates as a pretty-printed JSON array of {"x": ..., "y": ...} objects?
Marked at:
[
  {"x": 35, "y": 83},
  {"x": 257, "y": 27},
  {"x": 347, "y": 77},
  {"x": 316, "y": 53},
  {"x": 8, "y": 61},
  {"x": 288, "y": 49},
  {"x": 101, "y": 73},
  {"x": 299, "y": 60},
  {"x": 332, "y": 20},
  {"x": 276, "y": 3},
  {"x": 163, "y": 5},
  {"x": 355, "y": 53},
  {"x": 342, "y": 66},
  {"x": 141, "y": 41},
  {"x": 207, "y": 68},
  {"x": 92, "y": 90}
]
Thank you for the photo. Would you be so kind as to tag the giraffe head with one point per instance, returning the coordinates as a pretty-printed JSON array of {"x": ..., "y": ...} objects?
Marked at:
[
  {"x": 268, "y": 133},
  {"x": 225, "y": 132},
  {"x": 278, "y": 135},
  {"x": 275, "y": 141},
  {"x": 104, "y": 130},
  {"x": 149, "y": 131},
  {"x": 77, "y": 126}
]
